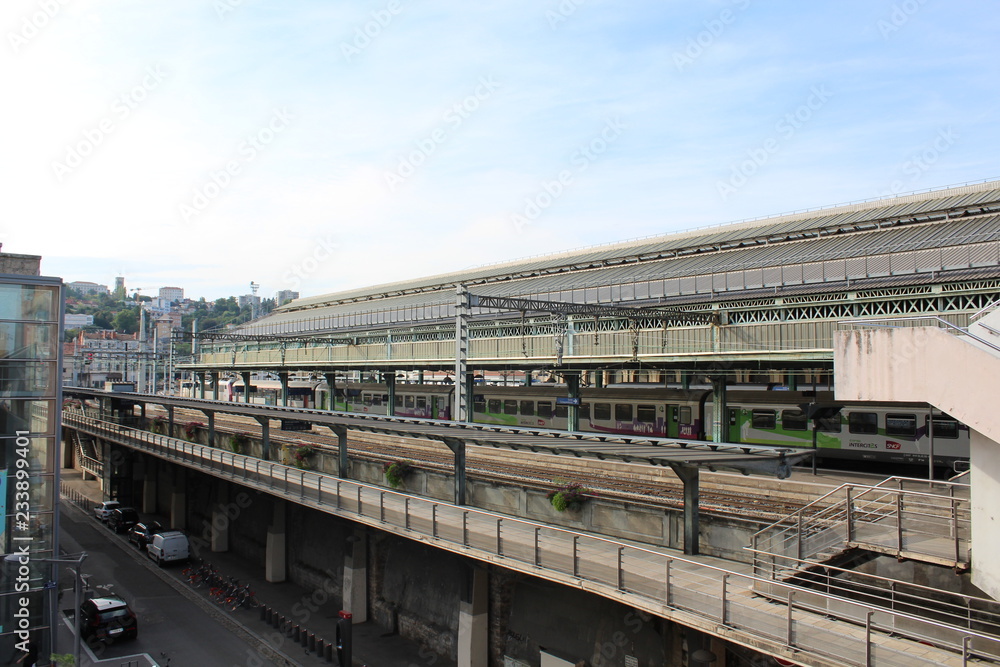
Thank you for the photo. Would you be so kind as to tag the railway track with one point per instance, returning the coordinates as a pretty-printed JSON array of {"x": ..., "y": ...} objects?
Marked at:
[{"x": 729, "y": 495}]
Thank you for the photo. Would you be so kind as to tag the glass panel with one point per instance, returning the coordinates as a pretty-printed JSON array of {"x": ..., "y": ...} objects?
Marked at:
[
  {"x": 545, "y": 409},
  {"x": 896, "y": 424},
  {"x": 27, "y": 378},
  {"x": 29, "y": 302},
  {"x": 28, "y": 341},
  {"x": 623, "y": 412},
  {"x": 685, "y": 414},
  {"x": 794, "y": 420},
  {"x": 493, "y": 405},
  {"x": 562, "y": 411},
  {"x": 584, "y": 411},
  {"x": 408, "y": 402},
  {"x": 510, "y": 407},
  {"x": 646, "y": 413},
  {"x": 25, "y": 415},
  {"x": 528, "y": 408},
  {"x": 602, "y": 411},
  {"x": 945, "y": 428},
  {"x": 763, "y": 419},
  {"x": 863, "y": 422}
]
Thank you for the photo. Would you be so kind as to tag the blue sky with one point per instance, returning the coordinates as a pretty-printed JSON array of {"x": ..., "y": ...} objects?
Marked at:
[{"x": 320, "y": 146}]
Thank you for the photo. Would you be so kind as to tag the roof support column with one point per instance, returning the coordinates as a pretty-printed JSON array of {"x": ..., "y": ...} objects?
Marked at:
[
  {"x": 331, "y": 386},
  {"x": 170, "y": 420},
  {"x": 719, "y": 417},
  {"x": 573, "y": 409},
  {"x": 342, "y": 462},
  {"x": 215, "y": 385},
  {"x": 689, "y": 476},
  {"x": 265, "y": 437},
  {"x": 458, "y": 449},
  {"x": 462, "y": 394},
  {"x": 246, "y": 386},
  {"x": 211, "y": 426},
  {"x": 390, "y": 384},
  {"x": 283, "y": 379}
]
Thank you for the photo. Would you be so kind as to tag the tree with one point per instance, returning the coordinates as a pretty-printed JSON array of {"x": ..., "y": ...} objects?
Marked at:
[{"x": 127, "y": 321}]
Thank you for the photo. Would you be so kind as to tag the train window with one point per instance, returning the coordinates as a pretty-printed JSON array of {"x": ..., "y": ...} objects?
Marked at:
[
  {"x": 623, "y": 412},
  {"x": 763, "y": 419},
  {"x": 646, "y": 413},
  {"x": 399, "y": 401},
  {"x": 366, "y": 398},
  {"x": 945, "y": 428},
  {"x": 684, "y": 414},
  {"x": 528, "y": 408},
  {"x": 561, "y": 411},
  {"x": 545, "y": 409},
  {"x": 493, "y": 406},
  {"x": 408, "y": 401},
  {"x": 376, "y": 399},
  {"x": 831, "y": 425},
  {"x": 510, "y": 407},
  {"x": 478, "y": 403},
  {"x": 862, "y": 422},
  {"x": 585, "y": 412},
  {"x": 421, "y": 402},
  {"x": 896, "y": 424},
  {"x": 794, "y": 420},
  {"x": 602, "y": 411}
]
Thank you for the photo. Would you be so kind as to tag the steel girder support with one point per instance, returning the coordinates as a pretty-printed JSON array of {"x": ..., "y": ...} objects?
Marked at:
[
  {"x": 170, "y": 420},
  {"x": 457, "y": 447},
  {"x": 689, "y": 475},
  {"x": 462, "y": 396},
  {"x": 210, "y": 415},
  {"x": 719, "y": 417},
  {"x": 590, "y": 310},
  {"x": 246, "y": 386}
]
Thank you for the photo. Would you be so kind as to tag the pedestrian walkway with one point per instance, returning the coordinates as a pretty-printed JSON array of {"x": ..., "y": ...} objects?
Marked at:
[{"x": 311, "y": 611}]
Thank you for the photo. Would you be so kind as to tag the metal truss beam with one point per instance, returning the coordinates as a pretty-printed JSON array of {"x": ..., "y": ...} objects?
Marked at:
[
  {"x": 186, "y": 336},
  {"x": 590, "y": 310}
]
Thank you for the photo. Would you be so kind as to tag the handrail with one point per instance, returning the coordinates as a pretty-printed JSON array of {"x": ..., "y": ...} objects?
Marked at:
[
  {"x": 688, "y": 588},
  {"x": 985, "y": 309}
]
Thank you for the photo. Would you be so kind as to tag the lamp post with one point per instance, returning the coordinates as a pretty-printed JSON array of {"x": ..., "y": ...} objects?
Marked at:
[{"x": 25, "y": 559}]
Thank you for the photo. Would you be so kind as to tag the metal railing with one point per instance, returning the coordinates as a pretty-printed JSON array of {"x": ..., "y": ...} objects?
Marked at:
[
  {"x": 688, "y": 591},
  {"x": 918, "y": 524}
]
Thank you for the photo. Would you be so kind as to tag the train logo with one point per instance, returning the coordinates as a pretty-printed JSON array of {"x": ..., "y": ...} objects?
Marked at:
[{"x": 890, "y": 444}]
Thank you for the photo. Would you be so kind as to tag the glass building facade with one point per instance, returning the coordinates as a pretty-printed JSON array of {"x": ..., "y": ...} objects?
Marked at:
[{"x": 30, "y": 404}]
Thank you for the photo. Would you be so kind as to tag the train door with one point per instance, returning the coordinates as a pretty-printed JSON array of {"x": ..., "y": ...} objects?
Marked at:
[
  {"x": 733, "y": 425},
  {"x": 671, "y": 425}
]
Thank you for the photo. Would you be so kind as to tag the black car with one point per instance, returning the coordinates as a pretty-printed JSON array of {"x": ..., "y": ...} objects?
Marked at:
[
  {"x": 122, "y": 519},
  {"x": 107, "y": 618},
  {"x": 142, "y": 533}
]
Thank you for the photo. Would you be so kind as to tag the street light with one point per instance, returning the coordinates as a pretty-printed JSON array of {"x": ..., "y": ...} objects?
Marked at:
[{"x": 25, "y": 559}]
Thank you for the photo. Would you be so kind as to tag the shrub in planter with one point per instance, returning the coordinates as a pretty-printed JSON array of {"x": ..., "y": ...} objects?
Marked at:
[
  {"x": 158, "y": 425},
  {"x": 396, "y": 472},
  {"x": 569, "y": 497},
  {"x": 238, "y": 443},
  {"x": 302, "y": 456},
  {"x": 191, "y": 429}
]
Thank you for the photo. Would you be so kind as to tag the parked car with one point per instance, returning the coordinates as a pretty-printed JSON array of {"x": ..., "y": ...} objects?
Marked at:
[
  {"x": 107, "y": 619},
  {"x": 168, "y": 546},
  {"x": 141, "y": 533},
  {"x": 122, "y": 519},
  {"x": 103, "y": 510}
]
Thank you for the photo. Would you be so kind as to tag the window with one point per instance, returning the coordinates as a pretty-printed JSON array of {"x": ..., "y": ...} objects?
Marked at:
[
  {"x": 646, "y": 413},
  {"x": 399, "y": 401},
  {"x": 366, "y": 398},
  {"x": 510, "y": 407},
  {"x": 623, "y": 412},
  {"x": 794, "y": 420},
  {"x": 602, "y": 411},
  {"x": 562, "y": 411},
  {"x": 896, "y": 424},
  {"x": 493, "y": 406},
  {"x": 762, "y": 419},
  {"x": 528, "y": 408},
  {"x": 945, "y": 427},
  {"x": 584, "y": 411},
  {"x": 376, "y": 400},
  {"x": 421, "y": 402},
  {"x": 545, "y": 409},
  {"x": 408, "y": 401},
  {"x": 831, "y": 425},
  {"x": 684, "y": 414},
  {"x": 862, "y": 422}
]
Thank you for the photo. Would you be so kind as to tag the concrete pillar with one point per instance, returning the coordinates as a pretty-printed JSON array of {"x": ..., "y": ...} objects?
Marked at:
[
  {"x": 178, "y": 509},
  {"x": 220, "y": 521},
  {"x": 149, "y": 486},
  {"x": 390, "y": 387},
  {"x": 473, "y": 621},
  {"x": 573, "y": 392},
  {"x": 356, "y": 576},
  {"x": 215, "y": 385},
  {"x": 276, "y": 559},
  {"x": 200, "y": 379},
  {"x": 283, "y": 379},
  {"x": 720, "y": 418}
]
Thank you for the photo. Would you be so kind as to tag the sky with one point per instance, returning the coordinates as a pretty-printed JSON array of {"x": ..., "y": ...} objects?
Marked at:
[{"x": 323, "y": 146}]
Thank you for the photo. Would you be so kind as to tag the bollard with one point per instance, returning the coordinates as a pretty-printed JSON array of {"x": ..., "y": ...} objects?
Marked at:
[
  {"x": 320, "y": 647},
  {"x": 263, "y": 612},
  {"x": 344, "y": 641},
  {"x": 328, "y": 653},
  {"x": 295, "y": 633},
  {"x": 304, "y": 638},
  {"x": 312, "y": 642}
]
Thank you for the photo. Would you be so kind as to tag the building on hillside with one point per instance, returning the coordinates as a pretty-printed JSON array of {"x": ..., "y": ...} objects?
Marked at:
[
  {"x": 165, "y": 324},
  {"x": 86, "y": 288},
  {"x": 120, "y": 293},
  {"x": 171, "y": 294},
  {"x": 101, "y": 356},
  {"x": 284, "y": 296},
  {"x": 30, "y": 404},
  {"x": 77, "y": 321}
]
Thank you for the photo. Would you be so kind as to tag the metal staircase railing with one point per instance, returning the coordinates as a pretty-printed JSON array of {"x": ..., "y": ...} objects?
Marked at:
[{"x": 920, "y": 525}]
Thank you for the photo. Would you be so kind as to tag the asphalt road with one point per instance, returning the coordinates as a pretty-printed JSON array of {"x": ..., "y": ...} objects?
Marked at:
[{"x": 173, "y": 630}]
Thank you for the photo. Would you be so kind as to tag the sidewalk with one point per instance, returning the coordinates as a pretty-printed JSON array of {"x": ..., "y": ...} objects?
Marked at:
[{"x": 307, "y": 611}]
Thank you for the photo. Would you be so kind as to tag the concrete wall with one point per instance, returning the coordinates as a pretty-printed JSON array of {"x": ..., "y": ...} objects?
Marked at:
[{"x": 985, "y": 482}]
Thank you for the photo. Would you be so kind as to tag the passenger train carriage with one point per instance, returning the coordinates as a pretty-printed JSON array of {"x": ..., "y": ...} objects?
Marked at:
[{"x": 896, "y": 433}]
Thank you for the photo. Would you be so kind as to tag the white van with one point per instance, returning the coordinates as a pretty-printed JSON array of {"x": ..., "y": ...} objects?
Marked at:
[{"x": 168, "y": 547}]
